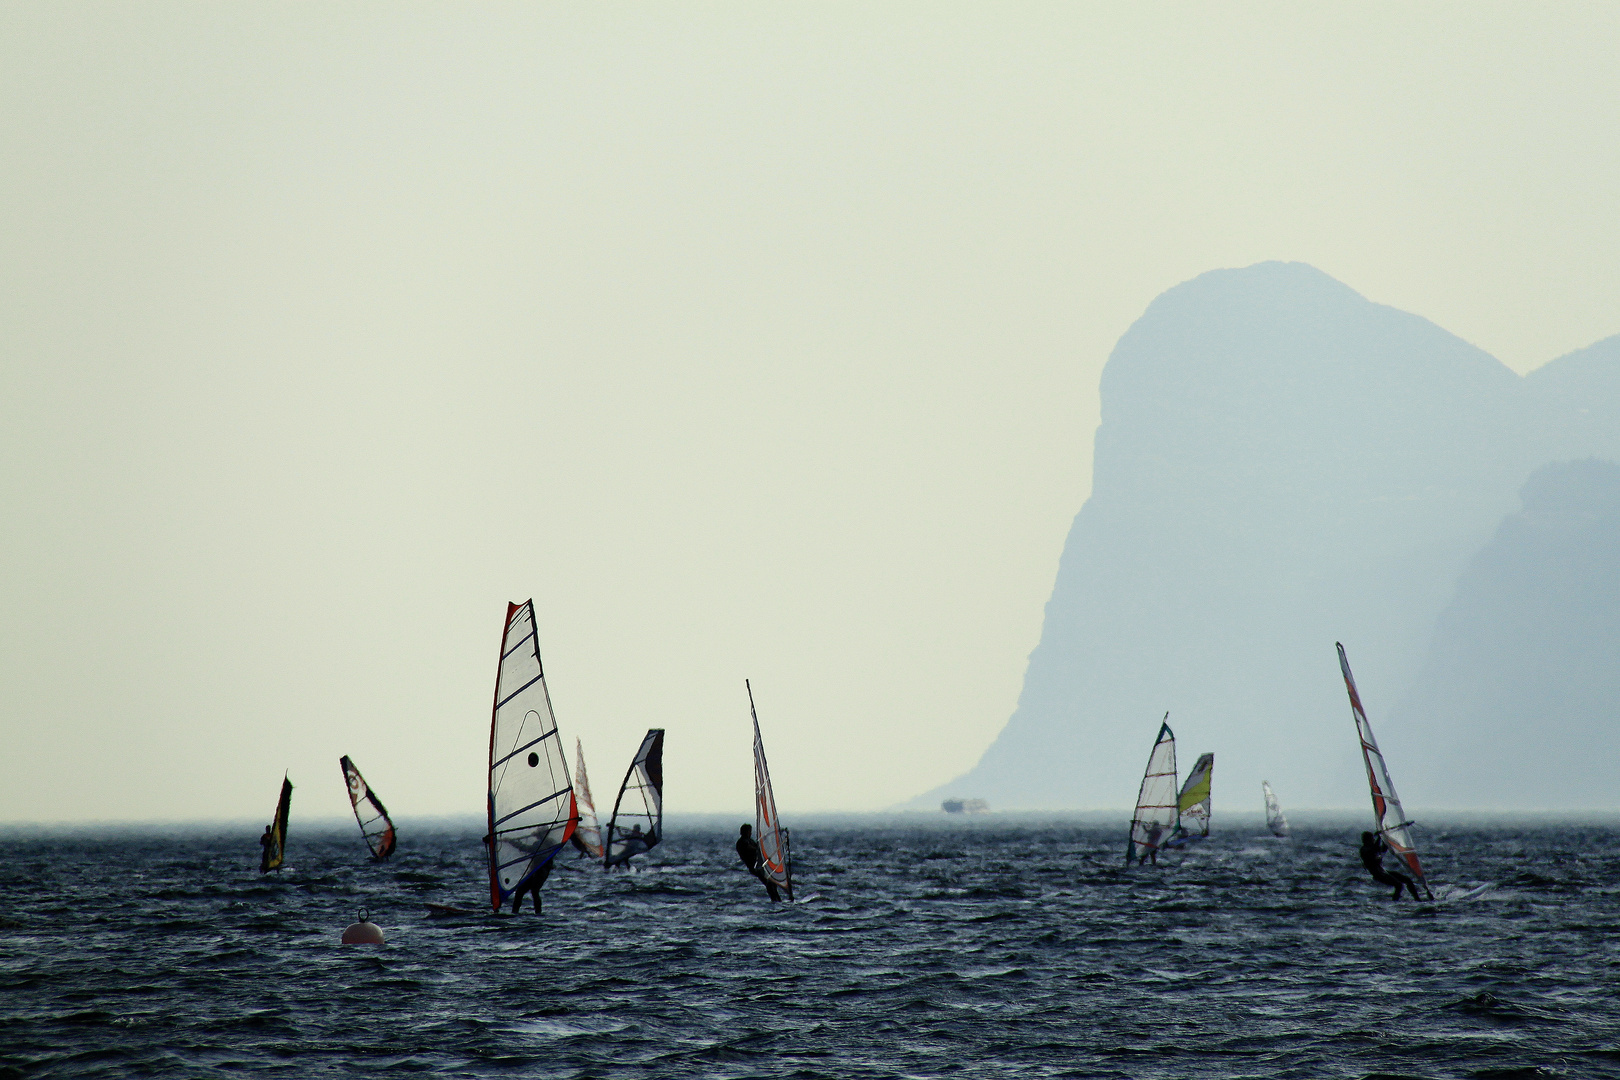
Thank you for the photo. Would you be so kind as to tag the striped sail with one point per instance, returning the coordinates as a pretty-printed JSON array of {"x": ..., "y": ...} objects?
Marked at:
[
  {"x": 532, "y": 811},
  {"x": 1155, "y": 818},
  {"x": 776, "y": 860},
  {"x": 375, "y": 826},
  {"x": 1389, "y": 820},
  {"x": 637, "y": 823}
]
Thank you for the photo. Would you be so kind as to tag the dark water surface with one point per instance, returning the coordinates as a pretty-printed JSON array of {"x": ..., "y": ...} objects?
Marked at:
[{"x": 993, "y": 947}]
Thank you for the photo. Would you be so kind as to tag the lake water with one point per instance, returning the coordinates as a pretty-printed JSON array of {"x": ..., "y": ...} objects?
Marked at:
[{"x": 987, "y": 947}]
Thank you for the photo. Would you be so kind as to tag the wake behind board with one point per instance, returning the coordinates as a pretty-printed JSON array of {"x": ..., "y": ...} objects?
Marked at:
[
  {"x": 442, "y": 910},
  {"x": 1447, "y": 897}
]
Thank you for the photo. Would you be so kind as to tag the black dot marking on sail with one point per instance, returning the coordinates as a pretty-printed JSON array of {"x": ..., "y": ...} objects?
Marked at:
[{"x": 534, "y": 759}]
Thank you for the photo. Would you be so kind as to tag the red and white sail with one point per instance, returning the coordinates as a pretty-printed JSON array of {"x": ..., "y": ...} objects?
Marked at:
[
  {"x": 588, "y": 837},
  {"x": 776, "y": 861},
  {"x": 1389, "y": 821},
  {"x": 1154, "y": 822},
  {"x": 532, "y": 812}
]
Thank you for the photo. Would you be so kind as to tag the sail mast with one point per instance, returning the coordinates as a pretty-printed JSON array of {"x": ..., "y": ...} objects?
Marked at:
[
  {"x": 532, "y": 810},
  {"x": 644, "y": 783},
  {"x": 1389, "y": 820},
  {"x": 776, "y": 861}
]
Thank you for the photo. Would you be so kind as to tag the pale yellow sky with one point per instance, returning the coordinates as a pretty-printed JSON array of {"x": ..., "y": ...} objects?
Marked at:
[{"x": 748, "y": 340}]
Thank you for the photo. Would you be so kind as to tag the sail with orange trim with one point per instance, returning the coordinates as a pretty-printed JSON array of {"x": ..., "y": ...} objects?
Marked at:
[
  {"x": 588, "y": 837},
  {"x": 1389, "y": 820},
  {"x": 532, "y": 810},
  {"x": 776, "y": 860}
]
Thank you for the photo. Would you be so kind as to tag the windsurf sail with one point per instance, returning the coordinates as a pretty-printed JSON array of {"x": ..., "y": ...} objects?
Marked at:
[
  {"x": 637, "y": 823},
  {"x": 1389, "y": 821},
  {"x": 588, "y": 837},
  {"x": 1274, "y": 815},
  {"x": 1192, "y": 805},
  {"x": 532, "y": 812},
  {"x": 1155, "y": 818},
  {"x": 275, "y": 838},
  {"x": 776, "y": 860},
  {"x": 375, "y": 825}
]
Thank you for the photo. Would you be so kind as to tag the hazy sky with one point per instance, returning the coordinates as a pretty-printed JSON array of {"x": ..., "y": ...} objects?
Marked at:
[{"x": 748, "y": 340}]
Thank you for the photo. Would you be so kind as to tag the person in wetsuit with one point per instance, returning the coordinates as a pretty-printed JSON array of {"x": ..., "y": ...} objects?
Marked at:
[
  {"x": 1155, "y": 834},
  {"x": 532, "y": 887},
  {"x": 1372, "y": 857},
  {"x": 748, "y": 852},
  {"x": 266, "y": 842}
]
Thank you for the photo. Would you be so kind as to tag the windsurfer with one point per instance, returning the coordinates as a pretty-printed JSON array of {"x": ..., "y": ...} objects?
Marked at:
[
  {"x": 1372, "y": 857},
  {"x": 1155, "y": 831},
  {"x": 532, "y": 887},
  {"x": 266, "y": 842},
  {"x": 748, "y": 852}
]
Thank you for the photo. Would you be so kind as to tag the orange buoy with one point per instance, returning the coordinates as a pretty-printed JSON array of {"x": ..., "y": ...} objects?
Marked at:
[{"x": 364, "y": 932}]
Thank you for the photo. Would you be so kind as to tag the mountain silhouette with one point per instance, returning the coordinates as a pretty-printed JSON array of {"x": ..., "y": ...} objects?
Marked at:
[{"x": 1281, "y": 464}]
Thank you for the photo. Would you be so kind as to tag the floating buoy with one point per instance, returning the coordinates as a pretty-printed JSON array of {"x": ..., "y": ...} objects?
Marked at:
[{"x": 364, "y": 932}]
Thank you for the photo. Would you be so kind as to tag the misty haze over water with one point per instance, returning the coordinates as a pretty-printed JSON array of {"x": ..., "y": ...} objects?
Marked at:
[{"x": 1283, "y": 464}]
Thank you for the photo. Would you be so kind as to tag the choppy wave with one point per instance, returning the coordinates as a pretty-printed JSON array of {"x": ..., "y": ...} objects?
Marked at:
[{"x": 987, "y": 948}]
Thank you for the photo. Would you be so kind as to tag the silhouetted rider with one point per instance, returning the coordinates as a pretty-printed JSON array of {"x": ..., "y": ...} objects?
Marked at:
[
  {"x": 748, "y": 852},
  {"x": 1373, "y": 849}
]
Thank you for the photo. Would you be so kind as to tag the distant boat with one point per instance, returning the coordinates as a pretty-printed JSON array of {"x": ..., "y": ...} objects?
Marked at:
[
  {"x": 588, "y": 837},
  {"x": 1389, "y": 820},
  {"x": 275, "y": 841},
  {"x": 776, "y": 858},
  {"x": 375, "y": 825},
  {"x": 1192, "y": 805},
  {"x": 964, "y": 806},
  {"x": 1274, "y": 815},
  {"x": 1155, "y": 817},
  {"x": 637, "y": 824},
  {"x": 532, "y": 812}
]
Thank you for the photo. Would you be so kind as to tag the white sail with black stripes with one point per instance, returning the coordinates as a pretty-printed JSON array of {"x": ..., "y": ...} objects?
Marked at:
[
  {"x": 1275, "y": 821},
  {"x": 532, "y": 812},
  {"x": 1155, "y": 819},
  {"x": 588, "y": 837},
  {"x": 637, "y": 824},
  {"x": 775, "y": 856},
  {"x": 376, "y": 828},
  {"x": 1389, "y": 820}
]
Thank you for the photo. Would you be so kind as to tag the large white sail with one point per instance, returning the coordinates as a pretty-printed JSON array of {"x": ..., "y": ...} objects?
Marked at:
[
  {"x": 1389, "y": 820},
  {"x": 1193, "y": 804},
  {"x": 637, "y": 823},
  {"x": 376, "y": 828},
  {"x": 588, "y": 837},
  {"x": 532, "y": 812},
  {"x": 1155, "y": 818},
  {"x": 776, "y": 860},
  {"x": 1274, "y": 815}
]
